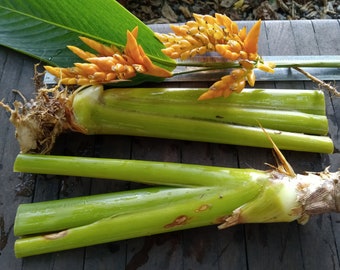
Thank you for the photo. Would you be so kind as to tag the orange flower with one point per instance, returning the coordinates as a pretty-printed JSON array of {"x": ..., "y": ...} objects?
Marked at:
[
  {"x": 251, "y": 40},
  {"x": 220, "y": 34},
  {"x": 109, "y": 65},
  {"x": 208, "y": 33},
  {"x": 139, "y": 58},
  {"x": 234, "y": 82},
  {"x": 201, "y": 36}
]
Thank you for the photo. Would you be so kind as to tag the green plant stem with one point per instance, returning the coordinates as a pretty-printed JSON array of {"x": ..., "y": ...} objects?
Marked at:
[
  {"x": 308, "y": 101},
  {"x": 280, "y": 63},
  {"x": 144, "y": 222},
  {"x": 200, "y": 196},
  {"x": 207, "y": 63},
  {"x": 293, "y": 118},
  {"x": 173, "y": 174},
  {"x": 247, "y": 108},
  {"x": 98, "y": 112},
  {"x": 197, "y": 195},
  {"x": 50, "y": 216}
]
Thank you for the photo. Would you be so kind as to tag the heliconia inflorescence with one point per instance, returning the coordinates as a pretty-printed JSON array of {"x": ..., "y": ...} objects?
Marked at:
[
  {"x": 206, "y": 34},
  {"x": 110, "y": 65},
  {"x": 222, "y": 35}
]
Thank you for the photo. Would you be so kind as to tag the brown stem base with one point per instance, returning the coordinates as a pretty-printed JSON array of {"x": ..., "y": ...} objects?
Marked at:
[{"x": 38, "y": 122}]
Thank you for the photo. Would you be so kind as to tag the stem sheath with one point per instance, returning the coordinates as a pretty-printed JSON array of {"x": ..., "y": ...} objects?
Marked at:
[
  {"x": 102, "y": 112},
  {"x": 295, "y": 119},
  {"x": 189, "y": 196}
]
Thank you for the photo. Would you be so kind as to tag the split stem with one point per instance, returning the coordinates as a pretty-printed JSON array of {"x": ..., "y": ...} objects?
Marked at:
[{"x": 99, "y": 112}]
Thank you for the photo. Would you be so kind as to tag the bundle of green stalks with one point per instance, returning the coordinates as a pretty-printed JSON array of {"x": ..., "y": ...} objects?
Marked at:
[
  {"x": 295, "y": 119},
  {"x": 183, "y": 196}
]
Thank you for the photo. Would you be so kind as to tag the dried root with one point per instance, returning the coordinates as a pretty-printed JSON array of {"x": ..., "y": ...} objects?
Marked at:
[
  {"x": 331, "y": 89},
  {"x": 38, "y": 122}
]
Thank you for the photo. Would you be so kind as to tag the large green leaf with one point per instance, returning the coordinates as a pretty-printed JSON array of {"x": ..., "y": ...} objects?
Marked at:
[{"x": 43, "y": 29}]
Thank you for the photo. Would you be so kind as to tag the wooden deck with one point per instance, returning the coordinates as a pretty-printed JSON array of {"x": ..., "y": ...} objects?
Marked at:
[{"x": 315, "y": 245}]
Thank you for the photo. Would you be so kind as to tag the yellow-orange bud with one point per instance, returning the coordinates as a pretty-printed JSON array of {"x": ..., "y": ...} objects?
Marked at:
[
  {"x": 238, "y": 86},
  {"x": 251, "y": 77},
  {"x": 265, "y": 68},
  {"x": 247, "y": 64}
]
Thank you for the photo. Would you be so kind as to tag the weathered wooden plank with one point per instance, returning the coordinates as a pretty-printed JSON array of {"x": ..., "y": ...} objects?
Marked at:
[
  {"x": 273, "y": 245},
  {"x": 162, "y": 251},
  {"x": 318, "y": 248},
  {"x": 329, "y": 43},
  {"x": 231, "y": 242},
  {"x": 158, "y": 251},
  {"x": 200, "y": 249},
  {"x": 51, "y": 187},
  {"x": 327, "y": 36},
  {"x": 321, "y": 250},
  {"x": 15, "y": 74},
  {"x": 74, "y": 145},
  {"x": 317, "y": 236},
  {"x": 277, "y": 31},
  {"x": 304, "y": 38},
  {"x": 326, "y": 245},
  {"x": 263, "y": 241},
  {"x": 280, "y": 37},
  {"x": 111, "y": 255},
  {"x": 277, "y": 246},
  {"x": 269, "y": 246}
]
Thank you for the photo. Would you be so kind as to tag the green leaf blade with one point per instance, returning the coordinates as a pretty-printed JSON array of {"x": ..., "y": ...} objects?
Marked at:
[{"x": 43, "y": 29}]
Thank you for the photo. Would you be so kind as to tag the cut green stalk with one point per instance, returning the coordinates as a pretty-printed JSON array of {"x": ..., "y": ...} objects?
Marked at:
[
  {"x": 247, "y": 108},
  {"x": 199, "y": 196},
  {"x": 306, "y": 101},
  {"x": 95, "y": 110},
  {"x": 123, "y": 170},
  {"x": 310, "y": 61},
  {"x": 59, "y": 215},
  {"x": 292, "y": 118}
]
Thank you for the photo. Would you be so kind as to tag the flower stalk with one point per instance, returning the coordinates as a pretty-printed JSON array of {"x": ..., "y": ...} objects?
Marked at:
[
  {"x": 185, "y": 196},
  {"x": 176, "y": 114}
]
